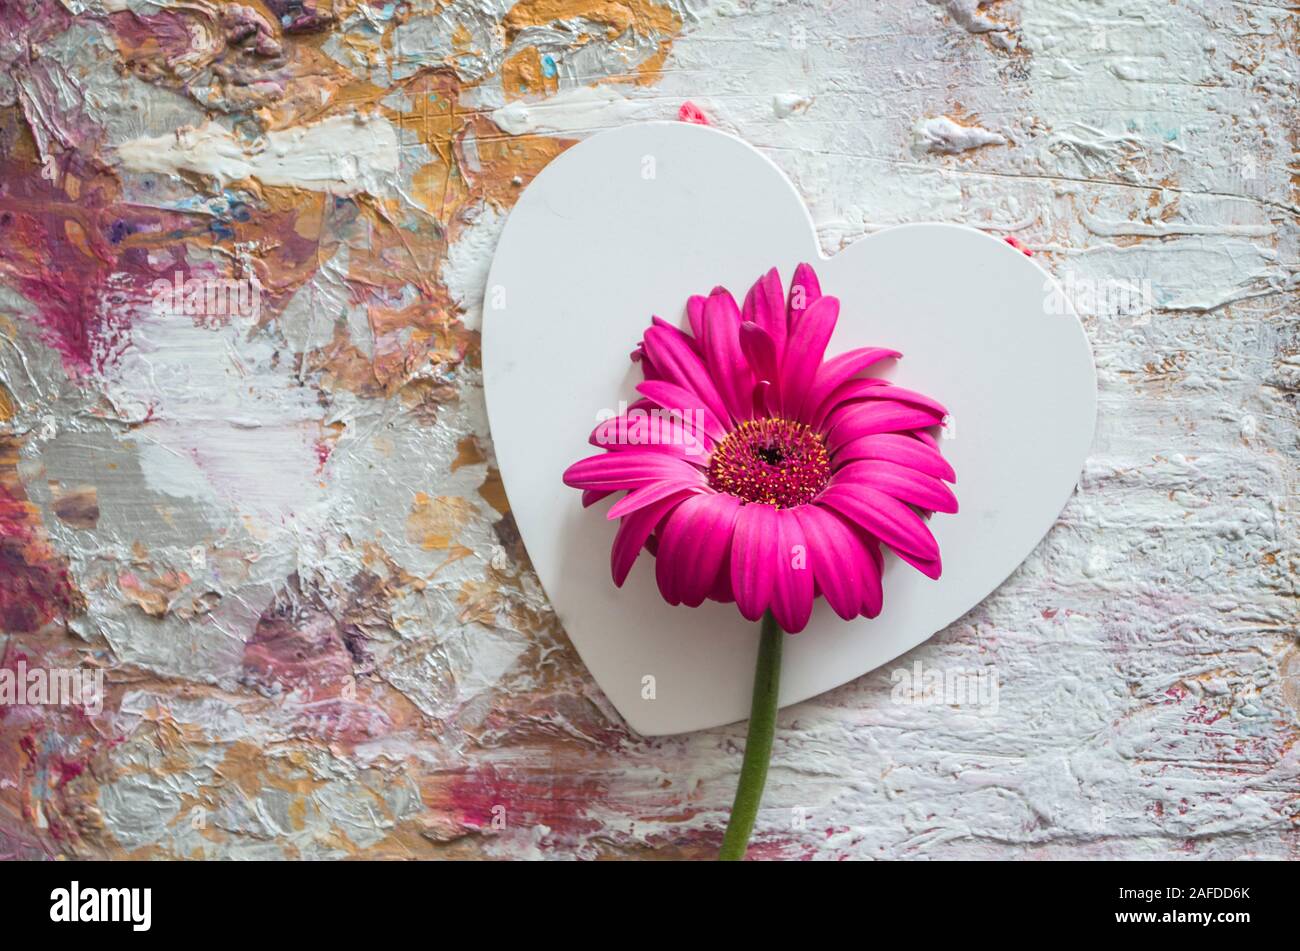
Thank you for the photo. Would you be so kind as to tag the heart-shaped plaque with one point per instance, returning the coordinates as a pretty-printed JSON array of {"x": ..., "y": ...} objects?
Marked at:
[{"x": 630, "y": 223}]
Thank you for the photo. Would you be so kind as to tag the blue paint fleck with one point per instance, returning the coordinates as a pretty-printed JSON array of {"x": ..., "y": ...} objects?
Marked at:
[{"x": 549, "y": 69}]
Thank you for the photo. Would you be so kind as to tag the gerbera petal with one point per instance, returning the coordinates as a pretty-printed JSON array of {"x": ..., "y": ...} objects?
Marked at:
[
  {"x": 927, "y": 438},
  {"x": 805, "y": 289},
  {"x": 721, "y": 587},
  {"x": 930, "y": 567},
  {"x": 680, "y": 364},
  {"x": 724, "y": 356},
  {"x": 832, "y": 374},
  {"x": 760, "y": 354},
  {"x": 693, "y": 545},
  {"x": 648, "y": 368},
  {"x": 681, "y": 335},
  {"x": 654, "y": 430},
  {"x": 753, "y": 558},
  {"x": 883, "y": 516},
  {"x": 904, "y": 484},
  {"x": 591, "y": 496},
  {"x": 683, "y": 402},
  {"x": 767, "y": 399},
  {"x": 804, "y": 351},
  {"x": 633, "y": 533},
  {"x": 895, "y": 447},
  {"x": 760, "y": 351},
  {"x": 765, "y": 306},
  {"x": 792, "y": 589},
  {"x": 652, "y": 492},
  {"x": 838, "y": 559},
  {"x": 695, "y": 314},
  {"x": 881, "y": 416},
  {"x": 871, "y": 388},
  {"x": 871, "y": 568},
  {"x": 627, "y": 470},
  {"x": 873, "y": 591}
]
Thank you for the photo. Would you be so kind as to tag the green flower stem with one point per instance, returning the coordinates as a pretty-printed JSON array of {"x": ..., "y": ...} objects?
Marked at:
[{"x": 758, "y": 744}]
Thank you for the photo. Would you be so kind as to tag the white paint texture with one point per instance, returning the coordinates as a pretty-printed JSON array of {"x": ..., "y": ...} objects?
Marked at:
[
  {"x": 946, "y": 137},
  {"x": 1146, "y": 653},
  {"x": 344, "y": 155},
  {"x": 577, "y": 110}
]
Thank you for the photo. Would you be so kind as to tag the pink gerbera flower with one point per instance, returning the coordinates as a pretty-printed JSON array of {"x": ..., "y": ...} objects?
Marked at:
[{"x": 759, "y": 472}]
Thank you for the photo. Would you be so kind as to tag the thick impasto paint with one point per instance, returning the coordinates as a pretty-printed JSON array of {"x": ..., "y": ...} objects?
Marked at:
[{"x": 245, "y": 472}]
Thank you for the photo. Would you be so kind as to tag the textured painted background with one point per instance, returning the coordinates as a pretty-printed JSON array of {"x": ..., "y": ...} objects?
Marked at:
[{"x": 282, "y": 536}]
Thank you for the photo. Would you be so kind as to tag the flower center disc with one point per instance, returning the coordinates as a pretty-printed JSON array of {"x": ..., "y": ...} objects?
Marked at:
[{"x": 775, "y": 461}]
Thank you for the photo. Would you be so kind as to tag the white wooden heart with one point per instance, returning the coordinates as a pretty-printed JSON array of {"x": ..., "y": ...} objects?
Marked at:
[{"x": 630, "y": 223}]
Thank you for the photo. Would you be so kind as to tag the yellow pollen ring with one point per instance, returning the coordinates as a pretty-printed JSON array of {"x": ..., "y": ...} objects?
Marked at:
[{"x": 771, "y": 461}]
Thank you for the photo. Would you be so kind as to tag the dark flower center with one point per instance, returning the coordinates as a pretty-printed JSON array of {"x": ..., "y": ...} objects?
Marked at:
[{"x": 775, "y": 461}]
